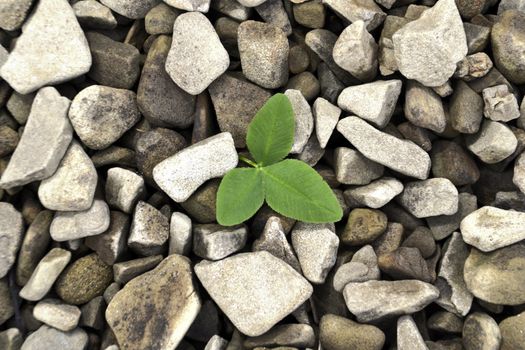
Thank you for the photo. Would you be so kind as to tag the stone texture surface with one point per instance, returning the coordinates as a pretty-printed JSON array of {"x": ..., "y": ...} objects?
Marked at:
[
  {"x": 355, "y": 10},
  {"x": 408, "y": 335},
  {"x": 14, "y": 13},
  {"x": 326, "y": 116},
  {"x": 93, "y": 14},
  {"x": 304, "y": 121},
  {"x": 508, "y": 43},
  {"x": 11, "y": 231},
  {"x": 437, "y": 196},
  {"x": 493, "y": 143},
  {"x": 149, "y": 230},
  {"x": 292, "y": 335},
  {"x": 68, "y": 225},
  {"x": 512, "y": 335},
  {"x": 424, "y": 108},
  {"x": 50, "y": 338},
  {"x": 377, "y": 193},
  {"x": 500, "y": 104},
  {"x": 111, "y": 244},
  {"x": 56, "y": 314},
  {"x": 215, "y": 242},
  {"x": 339, "y": 333},
  {"x": 124, "y": 188},
  {"x": 131, "y": 8},
  {"x": 181, "y": 239},
  {"x": 352, "y": 168},
  {"x": 480, "y": 331},
  {"x": 363, "y": 226}
]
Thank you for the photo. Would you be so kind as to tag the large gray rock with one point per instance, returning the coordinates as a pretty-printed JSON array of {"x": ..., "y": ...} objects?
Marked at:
[
  {"x": 428, "y": 49},
  {"x": 409, "y": 159},
  {"x": 493, "y": 143},
  {"x": 304, "y": 121},
  {"x": 11, "y": 230},
  {"x": 215, "y": 242},
  {"x": 51, "y": 50},
  {"x": 181, "y": 174},
  {"x": 254, "y": 290},
  {"x": 50, "y": 338},
  {"x": 437, "y": 196},
  {"x": 197, "y": 57},
  {"x": 44, "y": 142},
  {"x": 68, "y": 225},
  {"x": 131, "y": 8}
]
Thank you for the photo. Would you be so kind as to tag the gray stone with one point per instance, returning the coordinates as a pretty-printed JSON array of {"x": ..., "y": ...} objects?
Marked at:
[
  {"x": 20, "y": 106},
  {"x": 125, "y": 271},
  {"x": 310, "y": 14},
  {"x": 180, "y": 234},
  {"x": 454, "y": 294},
  {"x": 408, "y": 335},
  {"x": 423, "y": 107},
  {"x": 339, "y": 333},
  {"x": 386, "y": 57},
  {"x": 197, "y": 57},
  {"x": 274, "y": 13},
  {"x": 304, "y": 121},
  {"x": 420, "y": 56},
  {"x": 445, "y": 322},
  {"x": 11, "y": 231},
  {"x": 251, "y": 3},
  {"x": 376, "y": 300},
  {"x": 363, "y": 226},
  {"x": 493, "y": 143},
  {"x": 451, "y": 161},
  {"x": 437, "y": 196},
  {"x": 236, "y": 101},
  {"x": 114, "y": 287},
  {"x": 59, "y": 55},
  {"x": 376, "y": 194},
  {"x": 420, "y": 136},
  {"x": 45, "y": 274},
  {"x": 508, "y": 44},
  {"x": 93, "y": 14},
  {"x": 511, "y": 332},
  {"x": 316, "y": 247},
  {"x": 215, "y": 242},
  {"x": 73, "y": 225},
  {"x": 72, "y": 186},
  {"x": 405, "y": 263},
  {"x": 44, "y": 142},
  {"x": 481, "y": 332},
  {"x": 263, "y": 50},
  {"x": 226, "y": 29},
  {"x": 7, "y": 309},
  {"x": 149, "y": 231},
  {"x": 11, "y": 339},
  {"x": 500, "y": 104},
  {"x": 14, "y": 13},
  {"x": 506, "y": 5},
  {"x": 110, "y": 245},
  {"x": 352, "y": 168},
  {"x": 190, "y": 5},
  {"x": 216, "y": 343},
  {"x": 312, "y": 151},
  {"x": 491, "y": 228},
  {"x": 363, "y": 267},
  {"x": 355, "y": 10},
  {"x": 374, "y": 102},
  {"x": 292, "y": 335},
  {"x": 123, "y": 189},
  {"x": 131, "y": 8},
  {"x": 115, "y": 64},
  {"x": 160, "y": 19},
  {"x": 56, "y": 314},
  {"x": 93, "y": 313},
  {"x": 202, "y": 204},
  {"x": 306, "y": 83},
  {"x": 377, "y": 146},
  {"x": 158, "y": 97},
  {"x": 356, "y": 51},
  {"x": 422, "y": 239},
  {"x": 478, "y": 37},
  {"x": 232, "y": 9},
  {"x": 326, "y": 116},
  {"x": 207, "y": 323},
  {"x": 181, "y": 174},
  {"x": 114, "y": 155},
  {"x": 50, "y": 338},
  {"x": 254, "y": 290}
]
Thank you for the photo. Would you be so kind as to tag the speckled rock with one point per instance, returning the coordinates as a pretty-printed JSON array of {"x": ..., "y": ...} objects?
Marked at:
[
  {"x": 339, "y": 333},
  {"x": 437, "y": 196},
  {"x": 508, "y": 44},
  {"x": 124, "y": 188},
  {"x": 408, "y": 335},
  {"x": 451, "y": 161},
  {"x": 14, "y": 13},
  {"x": 68, "y": 225},
  {"x": 355, "y": 10},
  {"x": 215, "y": 242},
  {"x": 50, "y": 338},
  {"x": 481, "y": 332},
  {"x": 304, "y": 121},
  {"x": 493, "y": 143},
  {"x": 377, "y": 193},
  {"x": 110, "y": 245},
  {"x": 149, "y": 230},
  {"x": 352, "y": 168},
  {"x": 93, "y": 14},
  {"x": 512, "y": 335},
  {"x": 56, "y": 314}
]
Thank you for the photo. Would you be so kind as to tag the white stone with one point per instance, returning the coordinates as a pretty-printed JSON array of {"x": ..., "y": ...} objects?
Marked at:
[
  {"x": 304, "y": 121},
  {"x": 326, "y": 116},
  {"x": 190, "y": 5},
  {"x": 124, "y": 188},
  {"x": 180, "y": 234},
  {"x": 432, "y": 197},
  {"x": 50, "y": 338},
  {"x": 133, "y": 9},
  {"x": 73, "y": 225},
  {"x": 376, "y": 194},
  {"x": 181, "y": 174},
  {"x": 55, "y": 313},
  {"x": 408, "y": 336},
  {"x": 493, "y": 143},
  {"x": 363, "y": 267},
  {"x": 352, "y": 168},
  {"x": 216, "y": 343},
  {"x": 215, "y": 242}
]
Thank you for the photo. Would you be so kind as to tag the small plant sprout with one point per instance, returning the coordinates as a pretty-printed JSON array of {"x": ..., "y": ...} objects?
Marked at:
[{"x": 289, "y": 186}]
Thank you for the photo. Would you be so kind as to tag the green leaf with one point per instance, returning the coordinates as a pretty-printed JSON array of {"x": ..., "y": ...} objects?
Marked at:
[
  {"x": 296, "y": 190},
  {"x": 240, "y": 195},
  {"x": 271, "y": 132}
]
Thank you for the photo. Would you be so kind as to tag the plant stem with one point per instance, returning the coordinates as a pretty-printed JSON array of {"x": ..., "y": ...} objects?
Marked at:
[{"x": 248, "y": 161}]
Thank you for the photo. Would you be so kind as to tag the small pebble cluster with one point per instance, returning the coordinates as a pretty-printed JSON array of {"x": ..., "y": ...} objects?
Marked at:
[{"x": 119, "y": 117}]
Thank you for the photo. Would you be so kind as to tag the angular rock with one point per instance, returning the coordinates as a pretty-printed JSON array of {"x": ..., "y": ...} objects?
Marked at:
[
  {"x": 306, "y": 83},
  {"x": 274, "y": 13},
  {"x": 450, "y": 161},
  {"x": 511, "y": 328},
  {"x": 125, "y": 271},
  {"x": 8, "y": 140},
  {"x": 233, "y": 282},
  {"x": 292, "y": 335},
  {"x": 197, "y": 57},
  {"x": 73, "y": 225},
  {"x": 422, "y": 239},
  {"x": 93, "y": 313},
  {"x": 93, "y": 14},
  {"x": 202, "y": 204},
  {"x": 123, "y": 189},
  {"x": 355, "y": 10},
  {"x": 500, "y": 104},
  {"x": 408, "y": 335},
  {"x": 46, "y": 137},
  {"x": 445, "y": 322},
  {"x": 466, "y": 109},
  {"x": 50, "y": 50},
  {"x": 114, "y": 155},
  {"x": 215, "y": 242},
  {"x": 190, "y": 5},
  {"x": 232, "y": 9},
  {"x": 363, "y": 226},
  {"x": 181, "y": 174},
  {"x": 56, "y": 314},
  {"x": 180, "y": 234},
  {"x": 149, "y": 230},
  {"x": 216, "y": 343},
  {"x": 363, "y": 267},
  {"x": 110, "y": 245},
  {"x": 508, "y": 45},
  {"x": 131, "y": 8},
  {"x": 50, "y": 338},
  {"x": 373, "y": 300},
  {"x": 374, "y": 102},
  {"x": 478, "y": 37},
  {"x": 405, "y": 263},
  {"x": 352, "y": 168},
  {"x": 518, "y": 177},
  {"x": 11, "y": 231},
  {"x": 304, "y": 121},
  {"x": 164, "y": 302},
  {"x": 493, "y": 143},
  {"x": 72, "y": 186},
  {"x": 420, "y": 56},
  {"x": 376, "y": 194},
  {"x": 474, "y": 66},
  {"x": 437, "y": 196},
  {"x": 14, "y": 13},
  {"x": 480, "y": 331},
  {"x": 377, "y": 146},
  {"x": 339, "y": 333},
  {"x": 326, "y": 116},
  {"x": 423, "y": 107}
]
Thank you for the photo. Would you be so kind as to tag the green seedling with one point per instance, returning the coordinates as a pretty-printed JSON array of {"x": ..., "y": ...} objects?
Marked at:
[{"x": 289, "y": 186}]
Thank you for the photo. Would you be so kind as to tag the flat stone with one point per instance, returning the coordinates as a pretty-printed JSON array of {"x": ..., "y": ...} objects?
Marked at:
[
  {"x": 356, "y": 51},
  {"x": 14, "y": 13},
  {"x": 60, "y": 55},
  {"x": 355, "y": 10},
  {"x": 110, "y": 245},
  {"x": 409, "y": 159},
  {"x": 181, "y": 238},
  {"x": 50, "y": 338},
  {"x": 500, "y": 104},
  {"x": 408, "y": 335},
  {"x": 236, "y": 101},
  {"x": 339, "y": 333},
  {"x": 181, "y": 174},
  {"x": 127, "y": 270},
  {"x": 352, "y": 168},
  {"x": 423, "y": 107},
  {"x": 149, "y": 231},
  {"x": 493, "y": 143},
  {"x": 46, "y": 137},
  {"x": 326, "y": 116},
  {"x": 491, "y": 228},
  {"x": 197, "y": 57},
  {"x": 363, "y": 267},
  {"x": 93, "y": 14},
  {"x": 11, "y": 231},
  {"x": 115, "y": 64},
  {"x": 7, "y": 309},
  {"x": 274, "y": 13},
  {"x": 316, "y": 247},
  {"x": 405, "y": 263},
  {"x": 497, "y": 276},
  {"x": 56, "y": 314},
  {"x": 93, "y": 313},
  {"x": 304, "y": 121},
  {"x": 45, "y": 274},
  {"x": 264, "y": 54},
  {"x": 34, "y": 246},
  {"x": 72, "y": 186},
  {"x": 165, "y": 296},
  {"x": 508, "y": 44},
  {"x": 202, "y": 204},
  {"x": 215, "y": 242},
  {"x": 511, "y": 332},
  {"x": 73, "y": 225},
  {"x": 376, "y": 194},
  {"x": 83, "y": 280},
  {"x": 374, "y": 102},
  {"x": 160, "y": 19},
  {"x": 233, "y": 282},
  {"x": 131, "y": 8},
  {"x": 372, "y": 300},
  {"x": 124, "y": 188},
  {"x": 480, "y": 331},
  {"x": 363, "y": 226},
  {"x": 11, "y": 339},
  {"x": 157, "y": 94},
  {"x": 437, "y": 196},
  {"x": 451, "y": 161}
]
